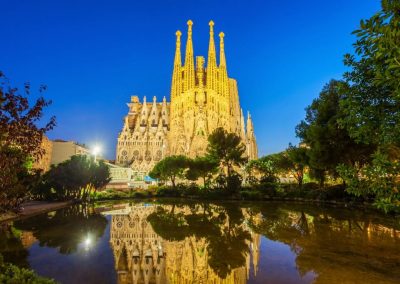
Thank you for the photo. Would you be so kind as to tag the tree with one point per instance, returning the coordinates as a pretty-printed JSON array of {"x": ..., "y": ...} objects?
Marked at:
[
  {"x": 371, "y": 105},
  {"x": 379, "y": 179},
  {"x": 371, "y": 101},
  {"x": 262, "y": 170},
  {"x": 100, "y": 175},
  {"x": 298, "y": 161},
  {"x": 20, "y": 139},
  {"x": 329, "y": 143},
  {"x": 228, "y": 151},
  {"x": 73, "y": 179},
  {"x": 201, "y": 167},
  {"x": 171, "y": 168}
]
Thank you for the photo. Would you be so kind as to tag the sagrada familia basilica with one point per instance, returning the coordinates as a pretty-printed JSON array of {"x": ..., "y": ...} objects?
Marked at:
[{"x": 202, "y": 99}]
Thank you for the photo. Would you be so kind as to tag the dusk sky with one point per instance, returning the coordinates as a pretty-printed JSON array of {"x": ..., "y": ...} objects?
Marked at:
[{"x": 93, "y": 55}]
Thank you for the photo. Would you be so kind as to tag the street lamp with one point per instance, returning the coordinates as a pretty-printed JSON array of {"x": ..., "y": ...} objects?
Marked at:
[{"x": 96, "y": 151}]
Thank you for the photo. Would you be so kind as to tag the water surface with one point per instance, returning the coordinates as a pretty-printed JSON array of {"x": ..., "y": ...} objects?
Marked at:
[{"x": 178, "y": 242}]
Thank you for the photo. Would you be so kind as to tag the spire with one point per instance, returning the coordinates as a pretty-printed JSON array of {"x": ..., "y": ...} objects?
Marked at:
[
  {"x": 242, "y": 131},
  {"x": 189, "y": 60},
  {"x": 252, "y": 151},
  {"x": 222, "y": 60},
  {"x": 212, "y": 60},
  {"x": 126, "y": 124},
  {"x": 176, "y": 75},
  {"x": 153, "y": 118},
  {"x": 224, "y": 88},
  {"x": 143, "y": 115},
  {"x": 249, "y": 126},
  {"x": 164, "y": 112},
  {"x": 178, "y": 59}
]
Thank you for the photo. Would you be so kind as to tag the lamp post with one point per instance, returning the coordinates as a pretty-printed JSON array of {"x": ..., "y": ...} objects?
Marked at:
[{"x": 96, "y": 150}]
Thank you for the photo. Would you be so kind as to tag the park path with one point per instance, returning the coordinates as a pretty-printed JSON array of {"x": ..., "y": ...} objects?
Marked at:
[{"x": 34, "y": 207}]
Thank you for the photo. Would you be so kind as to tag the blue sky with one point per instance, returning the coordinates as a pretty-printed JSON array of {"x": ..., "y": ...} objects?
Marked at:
[{"x": 93, "y": 55}]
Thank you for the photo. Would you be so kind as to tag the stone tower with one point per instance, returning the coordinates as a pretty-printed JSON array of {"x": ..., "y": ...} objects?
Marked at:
[{"x": 203, "y": 98}]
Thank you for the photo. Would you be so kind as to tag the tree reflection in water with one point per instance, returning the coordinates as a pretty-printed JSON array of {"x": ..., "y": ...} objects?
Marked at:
[
  {"x": 181, "y": 243},
  {"x": 178, "y": 242},
  {"x": 65, "y": 229},
  {"x": 12, "y": 247},
  {"x": 340, "y": 246},
  {"x": 220, "y": 226}
]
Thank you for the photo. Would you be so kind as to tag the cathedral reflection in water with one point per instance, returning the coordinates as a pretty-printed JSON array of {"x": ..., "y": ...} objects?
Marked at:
[{"x": 142, "y": 256}]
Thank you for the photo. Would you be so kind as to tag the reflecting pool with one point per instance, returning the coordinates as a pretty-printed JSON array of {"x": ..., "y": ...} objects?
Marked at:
[{"x": 181, "y": 242}]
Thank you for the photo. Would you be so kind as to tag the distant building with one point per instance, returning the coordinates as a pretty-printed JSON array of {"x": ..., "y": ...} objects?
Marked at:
[
  {"x": 43, "y": 163},
  {"x": 123, "y": 178},
  {"x": 64, "y": 150}
]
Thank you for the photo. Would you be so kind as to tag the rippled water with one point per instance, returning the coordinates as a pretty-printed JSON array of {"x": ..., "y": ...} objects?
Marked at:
[{"x": 177, "y": 242}]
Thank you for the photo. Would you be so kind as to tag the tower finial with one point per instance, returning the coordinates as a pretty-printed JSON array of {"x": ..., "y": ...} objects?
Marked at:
[
  {"x": 189, "y": 77},
  {"x": 212, "y": 75},
  {"x": 224, "y": 84},
  {"x": 222, "y": 59},
  {"x": 190, "y": 24},
  {"x": 249, "y": 127},
  {"x": 176, "y": 74}
]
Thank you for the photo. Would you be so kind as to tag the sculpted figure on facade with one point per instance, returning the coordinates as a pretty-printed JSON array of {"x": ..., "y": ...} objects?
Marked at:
[{"x": 203, "y": 98}]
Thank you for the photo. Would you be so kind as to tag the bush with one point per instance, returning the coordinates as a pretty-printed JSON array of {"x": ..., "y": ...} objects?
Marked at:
[
  {"x": 310, "y": 186},
  {"x": 268, "y": 188},
  {"x": 140, "y": 194},
  {"x": 168, "y": 191},
  {"x": 190, "y": 190},
  {"x": 109, "y": 194},
  {"x": 251, "y": 195}
]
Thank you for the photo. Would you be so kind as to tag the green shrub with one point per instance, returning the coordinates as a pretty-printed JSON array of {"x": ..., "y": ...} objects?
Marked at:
[
  {"x": 310, "y": 186},
  {"x": 251, "y": 195},
  {"x": 168, "y": 191},
  {"x": 141, "y": 194},
  {"x": 190, "y": 190}
]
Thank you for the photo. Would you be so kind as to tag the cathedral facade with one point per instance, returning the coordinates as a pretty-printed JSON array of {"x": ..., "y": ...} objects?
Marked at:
[{"x": 203, "y": 98}]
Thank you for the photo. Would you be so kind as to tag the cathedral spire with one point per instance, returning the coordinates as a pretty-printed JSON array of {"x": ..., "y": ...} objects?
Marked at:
[
  {"x": 164, "y": 112},
  {"x": 176, "y": 75},
  {"x": 252, "y": 151},
  {"x": 189, "y": 60},
  {"x": 242, "y": 130},
  {"x": 222, "y": 60},
  {"x": 144, "y": 113},
  {"x": 223, "y": 89},
  {"x": 249, "y": 126},
  {"x": 153, "y": 118},
  {"x": 212, "y": 60}
]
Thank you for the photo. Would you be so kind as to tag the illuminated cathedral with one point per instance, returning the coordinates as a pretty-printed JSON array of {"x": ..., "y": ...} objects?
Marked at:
[{"x": 203, "y": 98}]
